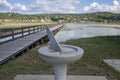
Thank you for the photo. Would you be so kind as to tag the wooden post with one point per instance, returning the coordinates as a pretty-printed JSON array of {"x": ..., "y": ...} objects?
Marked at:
[
  {"x": 34, "y": 29},
  {"x": 22, "y": 32},
  {"x": 37, "y": 28},
  {"x": 42, "y": 28},
  {"x": 29, "y": 30},
  {"x": 13, "y": 34}
]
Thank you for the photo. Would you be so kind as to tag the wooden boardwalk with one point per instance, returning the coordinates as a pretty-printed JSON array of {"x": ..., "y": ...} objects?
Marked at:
[{"x": 10, "y": 49}]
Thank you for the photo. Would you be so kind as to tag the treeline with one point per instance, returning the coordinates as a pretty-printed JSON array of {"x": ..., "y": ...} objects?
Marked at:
[
  {"x": 101, "y": 17},
  {"x": 15, "y": 17}
]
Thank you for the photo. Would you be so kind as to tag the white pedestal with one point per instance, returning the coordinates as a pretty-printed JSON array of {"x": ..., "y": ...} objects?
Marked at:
[{"x": 60, "y": 71}]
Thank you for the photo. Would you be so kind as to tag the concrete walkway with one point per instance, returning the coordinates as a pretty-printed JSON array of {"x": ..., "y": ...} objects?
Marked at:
[
  {"x": 115, "y": 63},
  {"x": 51, "y": 77},
  {"x": 12, "y": 48}
]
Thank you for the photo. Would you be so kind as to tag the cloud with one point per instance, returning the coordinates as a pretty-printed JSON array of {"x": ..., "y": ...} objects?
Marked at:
[
  {"x": 18, "y": 6},
  {"x": 41, "y": 6},
  {"x": 116, "y": 3},
  {"x": 57, "y": 6},
  {"x": 54, "y": 6},
  {"x": 15, "y": 7},
  {"x": 4, "y": 5},
  {"x": 96, "y": 7}
]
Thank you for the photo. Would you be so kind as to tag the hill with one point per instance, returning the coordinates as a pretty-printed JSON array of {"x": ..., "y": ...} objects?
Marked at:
[{"x": 102, "y": 17}]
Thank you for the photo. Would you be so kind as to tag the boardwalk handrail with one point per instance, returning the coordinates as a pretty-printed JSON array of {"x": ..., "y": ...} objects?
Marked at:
[
  {"x": 6, "y": 32},
  {"x": 10, "y": 49}
]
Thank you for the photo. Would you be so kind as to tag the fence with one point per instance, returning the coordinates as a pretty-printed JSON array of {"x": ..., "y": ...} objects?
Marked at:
[{"x": 7, "y": 34}]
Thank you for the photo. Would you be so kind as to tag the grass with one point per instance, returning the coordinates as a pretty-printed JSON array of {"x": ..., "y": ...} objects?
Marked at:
[
  {"x": 14, "y": 25},
  {"x": 96, "y": 49}
]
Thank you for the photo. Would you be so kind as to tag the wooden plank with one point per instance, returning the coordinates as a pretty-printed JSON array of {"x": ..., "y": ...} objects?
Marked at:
[{"x": 12, "y": 48}]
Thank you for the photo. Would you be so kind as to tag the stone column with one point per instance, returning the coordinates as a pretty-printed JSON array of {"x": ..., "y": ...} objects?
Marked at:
[{"x": 60, "y": 70}]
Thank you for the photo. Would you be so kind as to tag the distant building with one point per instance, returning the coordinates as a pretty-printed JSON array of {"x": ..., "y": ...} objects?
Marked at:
[
  {"x": 42, "y": 20},
  {"x": 8, "y": 20}
]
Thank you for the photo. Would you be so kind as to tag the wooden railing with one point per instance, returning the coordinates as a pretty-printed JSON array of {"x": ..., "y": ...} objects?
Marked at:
[{"x": 21, "y": 31}]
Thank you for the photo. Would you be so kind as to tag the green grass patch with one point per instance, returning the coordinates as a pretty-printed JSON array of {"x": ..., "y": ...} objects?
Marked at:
[
  {"x": 15, "y": 25},
  {"x": 96, "y": 49}
]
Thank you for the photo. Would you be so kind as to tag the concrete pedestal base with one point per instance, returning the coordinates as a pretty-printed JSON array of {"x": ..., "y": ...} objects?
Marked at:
[
  {"x": 115, "y": 63},
  {"x": 51, "y": 77},
  {"x": 60, "y": 71}
]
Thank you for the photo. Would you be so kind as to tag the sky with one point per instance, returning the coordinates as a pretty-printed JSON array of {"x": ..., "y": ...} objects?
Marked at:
[{"x": 59, "y": 6}]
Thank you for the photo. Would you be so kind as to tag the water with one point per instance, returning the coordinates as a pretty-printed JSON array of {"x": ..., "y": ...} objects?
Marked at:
[{"x": 75, "y": 31}]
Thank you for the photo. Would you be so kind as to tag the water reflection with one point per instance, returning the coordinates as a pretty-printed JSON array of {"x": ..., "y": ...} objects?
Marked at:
[{"x": 75, "y": 31}]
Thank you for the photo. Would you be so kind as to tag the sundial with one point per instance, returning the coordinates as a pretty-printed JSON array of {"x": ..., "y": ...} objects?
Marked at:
[
  {"x": 59, "y": 55},
  {"x": 54, "y": 45}
]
